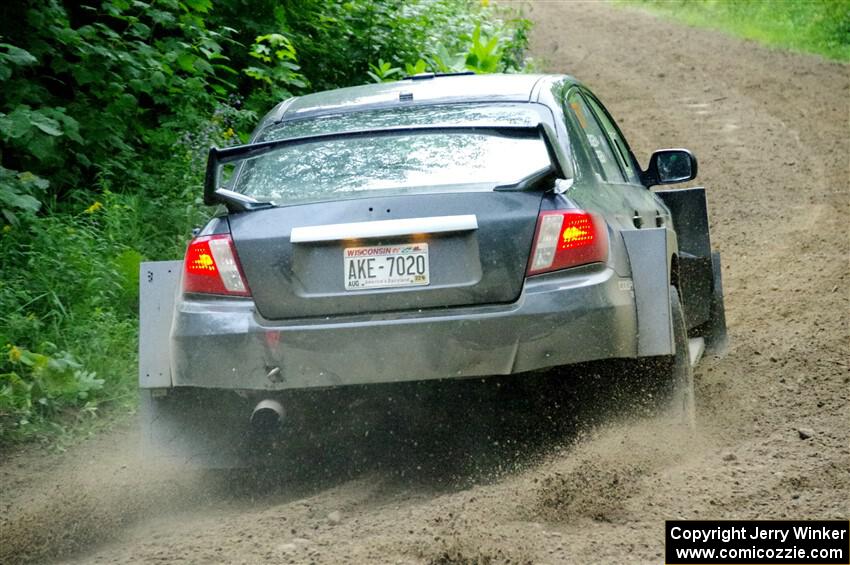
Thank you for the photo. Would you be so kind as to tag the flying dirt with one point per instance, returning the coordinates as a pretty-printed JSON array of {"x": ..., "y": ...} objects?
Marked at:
[{"x": 500, "y": 471}]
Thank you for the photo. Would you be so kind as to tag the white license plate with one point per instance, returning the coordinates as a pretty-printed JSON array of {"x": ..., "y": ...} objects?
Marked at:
[{"x": 385, "y": 266}]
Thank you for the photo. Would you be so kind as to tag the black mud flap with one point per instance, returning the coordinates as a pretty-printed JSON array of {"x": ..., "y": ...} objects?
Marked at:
[
  {"x": 700, "y": 278},
  {"x": 695, "y": 277},
  {"x": 714, "y": 330}
]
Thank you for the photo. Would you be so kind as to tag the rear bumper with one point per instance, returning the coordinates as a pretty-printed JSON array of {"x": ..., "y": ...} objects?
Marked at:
[{"x": 562, "y": 318}]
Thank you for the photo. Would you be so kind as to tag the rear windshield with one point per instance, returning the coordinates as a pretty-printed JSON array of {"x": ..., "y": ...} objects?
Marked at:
[{"x": 395, "y": 164}]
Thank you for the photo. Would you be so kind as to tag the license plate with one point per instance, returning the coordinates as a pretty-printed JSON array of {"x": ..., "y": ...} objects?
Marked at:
[{"x": 386, "y": 266}]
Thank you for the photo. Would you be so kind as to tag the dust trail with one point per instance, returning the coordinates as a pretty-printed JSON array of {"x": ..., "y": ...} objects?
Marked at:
[
  {"x": 437, "y": 438},
  {"x": 597, "y": 479},
  {"x": 88, "y": 500}
]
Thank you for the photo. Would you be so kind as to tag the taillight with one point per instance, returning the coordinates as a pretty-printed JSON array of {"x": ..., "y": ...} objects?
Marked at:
[
  {"x": 567, "y": 238},
  {"x": 212, "y": 267}
]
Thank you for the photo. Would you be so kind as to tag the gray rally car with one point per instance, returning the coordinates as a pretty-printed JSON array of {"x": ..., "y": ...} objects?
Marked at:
[{"x": 437, "y": 227}]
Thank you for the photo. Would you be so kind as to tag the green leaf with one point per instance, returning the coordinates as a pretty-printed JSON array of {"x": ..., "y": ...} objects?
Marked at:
[
  {"x": 140, "y": 30},
  {"x": 85, "y": 74},
  {"x": 140, "y": 85},
  {"x": 24, "y": 202},
  {"x": 45, "y": 124},
  {"x": 9, "y": 215},
  {"x": 28, "y": 178},
  {"x": 157, "y": 79},
  {"x": 41, "y": 147},
  {"x": 70, "y": 126},
  {"x": 202, "y": 6},
  {"x": 66, "y": 36},
  {"x": 416, "y": 69},
  {"x": 17, "y": 124},
  {"x": 162, "y": 17},
  {"x": 186, "y": 62},
  {"x": 17, "y": 56}
]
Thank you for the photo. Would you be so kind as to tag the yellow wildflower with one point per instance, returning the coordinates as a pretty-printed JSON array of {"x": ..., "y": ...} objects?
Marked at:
[
  {"x": 229, "y": 133},
  {"x": 7, "y": 228},
  {"x": 94, "y": 207},
  {"x": 485, "y": 3},
  {"x": 14, "y": 354}
]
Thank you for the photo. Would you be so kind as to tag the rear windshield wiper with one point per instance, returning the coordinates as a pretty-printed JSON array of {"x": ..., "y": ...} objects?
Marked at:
[{"x": 235, "y": 201}]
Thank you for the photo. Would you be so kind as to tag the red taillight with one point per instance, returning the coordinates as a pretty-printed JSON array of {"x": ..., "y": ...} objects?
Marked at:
[
  {"x": 212, "y": 267},
  {"x": 567, "y": 238}
]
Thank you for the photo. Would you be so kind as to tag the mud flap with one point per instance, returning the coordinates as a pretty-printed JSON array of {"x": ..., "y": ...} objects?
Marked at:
[
  {"x": 689, "y": 211},
  {"x": 647, "y": 250},
  {"x": 157, "y": 288},
  {"x": 714, "y": 330},
  {"x": 700, "y": 276}
]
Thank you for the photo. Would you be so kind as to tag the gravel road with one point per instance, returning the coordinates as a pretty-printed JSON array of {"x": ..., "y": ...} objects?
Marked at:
[{"x": 772, "y": 132}]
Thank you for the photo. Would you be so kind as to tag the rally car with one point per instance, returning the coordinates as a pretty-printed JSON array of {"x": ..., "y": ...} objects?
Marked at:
[{"x": 438, "y": 227}]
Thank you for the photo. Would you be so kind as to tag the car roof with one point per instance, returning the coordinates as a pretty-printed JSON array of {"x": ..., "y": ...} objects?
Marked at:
[{"x": 427, "y": 89}]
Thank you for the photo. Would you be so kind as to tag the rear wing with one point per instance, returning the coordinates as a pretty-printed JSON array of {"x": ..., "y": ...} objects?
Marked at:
[{"x": 214, "y": 193}]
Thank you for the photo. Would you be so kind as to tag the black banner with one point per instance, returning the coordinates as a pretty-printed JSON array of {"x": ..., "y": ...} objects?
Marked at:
[{"x": 762, "y": 542}]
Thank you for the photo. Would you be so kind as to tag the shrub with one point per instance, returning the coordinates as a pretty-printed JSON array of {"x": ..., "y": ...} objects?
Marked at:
[
  {"x": 35, "y": 387},
  {"x": 107, "y": 112}
]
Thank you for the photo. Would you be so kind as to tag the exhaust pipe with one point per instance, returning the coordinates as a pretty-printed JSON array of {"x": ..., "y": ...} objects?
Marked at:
[{"x": 267, "y": 416}]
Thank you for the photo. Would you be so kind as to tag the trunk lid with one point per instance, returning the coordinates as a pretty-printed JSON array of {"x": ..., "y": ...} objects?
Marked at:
[{"x": 477, "y": 244}]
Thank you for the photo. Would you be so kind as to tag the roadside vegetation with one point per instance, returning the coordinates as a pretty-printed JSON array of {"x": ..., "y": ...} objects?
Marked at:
[
  {"x": 106, "y": 113},
  {"x": 813, "y": 26}
]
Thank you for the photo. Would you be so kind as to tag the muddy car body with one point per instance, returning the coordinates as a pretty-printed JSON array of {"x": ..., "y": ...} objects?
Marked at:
[{"x": 437, "y": 227}]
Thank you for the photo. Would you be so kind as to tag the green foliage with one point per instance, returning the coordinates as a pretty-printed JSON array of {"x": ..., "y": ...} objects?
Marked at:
[
  {"x": 107, "y": 111},
  {"x": 343, "y": 43},
  {"x": 80, "y": 100},
  {"x": 816, "y": 26},
  {"x": 18, "y": 194},
  {"x": 485, "y": 55},
  {"x": 37, "y": 386},
  {"x": 420, "y": 66},
  {"x": 278, "y": 65},
  {"x": 384, "y": 72}
]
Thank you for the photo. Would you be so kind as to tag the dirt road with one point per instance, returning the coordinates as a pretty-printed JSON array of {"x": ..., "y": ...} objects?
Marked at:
[{"x": 772, "y": 133}]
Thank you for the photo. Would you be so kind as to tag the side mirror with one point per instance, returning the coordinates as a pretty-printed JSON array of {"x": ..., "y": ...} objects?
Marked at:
[{"x": 670, "y": 166}]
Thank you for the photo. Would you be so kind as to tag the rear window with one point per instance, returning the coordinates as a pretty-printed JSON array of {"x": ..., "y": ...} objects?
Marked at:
[
  {"x": 467, "y": 114},
  {"x": 395, "y": 164}
]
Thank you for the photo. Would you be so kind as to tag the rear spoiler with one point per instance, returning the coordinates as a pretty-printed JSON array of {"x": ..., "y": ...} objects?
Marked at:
[{"x": 235, "y": 201}]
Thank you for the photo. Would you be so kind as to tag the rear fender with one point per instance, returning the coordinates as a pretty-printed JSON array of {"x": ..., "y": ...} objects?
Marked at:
[
  {"x": 649, "y": 259},
  {"x": 157, "y": 289}
]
